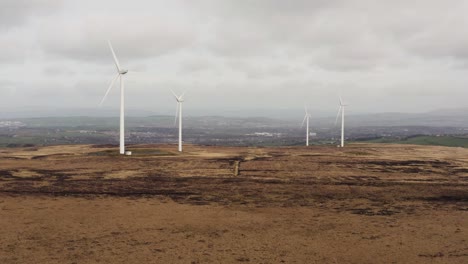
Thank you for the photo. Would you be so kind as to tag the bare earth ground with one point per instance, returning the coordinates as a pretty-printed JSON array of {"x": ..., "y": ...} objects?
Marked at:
[{"x": 362, "y": 204}]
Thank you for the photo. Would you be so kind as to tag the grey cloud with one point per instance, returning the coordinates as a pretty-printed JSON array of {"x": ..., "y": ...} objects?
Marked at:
[
  {"x": 7, "y": 87},
  {"x": 16, "y": 12},
  {"x": 273, "y": 53},
  {"x": 266, "y": 69},
  {"x": 13, "y": 47},
  {"x": 260, "y": 9},
  {"x": 342, "y": 35},
  {"x": 11, "y": 53},
  {"x": 132, "y": 37},
  {"x": 55, "y": 70},
  {"x": 257, "y": 28},
  {"x": 289, "y": 33},
  {"x": 191, "y": 66},
  {"x": 357, "y": 56},
  {"x": 428, "y": 29},
  {"x": 270, "y": 71},
  {"x": 442, "y": 43},
  {"x": 430, "y": 87}
]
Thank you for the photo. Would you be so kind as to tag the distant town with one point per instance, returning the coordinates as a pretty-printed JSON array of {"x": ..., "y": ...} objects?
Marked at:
[{"x": 216, "y": 131}]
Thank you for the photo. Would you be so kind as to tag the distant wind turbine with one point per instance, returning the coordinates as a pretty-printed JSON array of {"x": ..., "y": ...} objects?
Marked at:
[
  {"x": 180, "y": 100},
  {"x": 120, "y": 73},
  {"x": 306, "y": 119},
  {"x": 342, "y": 110}
]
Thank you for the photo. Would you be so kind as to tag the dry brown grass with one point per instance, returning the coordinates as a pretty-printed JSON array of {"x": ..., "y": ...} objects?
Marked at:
[{"x": 366, "y": 203}]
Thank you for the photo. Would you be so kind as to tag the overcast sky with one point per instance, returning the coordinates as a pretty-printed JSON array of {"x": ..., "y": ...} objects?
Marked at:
[{"x": 381, "y": 56}]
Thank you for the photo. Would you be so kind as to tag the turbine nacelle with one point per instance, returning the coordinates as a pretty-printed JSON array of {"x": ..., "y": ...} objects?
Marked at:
[
  {"x": 306, "y": 112},
  {"x": 341, "y": 108},
  {"x": 179, "y": 98},
  {"x": 341, "y": 103},
  {"x": 306, "y": 117},
  {"x": 120, "y": 72}
]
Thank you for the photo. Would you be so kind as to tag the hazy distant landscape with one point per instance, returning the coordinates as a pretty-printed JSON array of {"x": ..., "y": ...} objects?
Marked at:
[{"x": 444, "y": 128}]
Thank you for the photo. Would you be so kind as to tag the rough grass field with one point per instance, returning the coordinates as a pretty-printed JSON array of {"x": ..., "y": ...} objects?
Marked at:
[
  {"x": 447, "y": 141},
  {"x": 366, "y": 203}
]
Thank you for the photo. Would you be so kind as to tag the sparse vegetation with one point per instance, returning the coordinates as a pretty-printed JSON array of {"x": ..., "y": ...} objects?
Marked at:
[
  {"x": 447, "y": 141},
  {"x": 233, "y": 204},
  {"x": 135, "y": 152}
]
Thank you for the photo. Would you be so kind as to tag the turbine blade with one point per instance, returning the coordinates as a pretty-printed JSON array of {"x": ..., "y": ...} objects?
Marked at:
[
  {"x": 115, "y": 57},
  {"x": 303, "y": 121},
  {"x": 341, "y": 101},
  {"x": 181, "y": 96},
  {"x": 305, "y": 108},
  {"x": 108, "y": 89},
  {"x": 338, "y": 115},
  {"x": 175, "y": 95},
  {"x": 176, "y": 113}
]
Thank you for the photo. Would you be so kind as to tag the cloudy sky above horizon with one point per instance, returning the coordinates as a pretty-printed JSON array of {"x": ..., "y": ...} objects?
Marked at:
[{"x": 381, "y": 56}]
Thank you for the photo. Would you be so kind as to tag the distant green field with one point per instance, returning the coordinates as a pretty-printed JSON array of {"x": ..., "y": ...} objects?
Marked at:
[{"x": 448, "y": 141}]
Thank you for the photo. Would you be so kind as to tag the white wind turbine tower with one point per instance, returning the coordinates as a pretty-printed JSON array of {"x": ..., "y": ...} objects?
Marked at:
[
  {"x": 342, "y": 110},
  {"x": 306, "y": 119},
  {"x": 120, "y": 73},
  {"x": 180, "y": 100}
]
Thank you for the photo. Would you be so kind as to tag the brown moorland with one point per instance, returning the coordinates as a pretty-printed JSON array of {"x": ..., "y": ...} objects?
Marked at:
[{"x": 366, "y": 203}]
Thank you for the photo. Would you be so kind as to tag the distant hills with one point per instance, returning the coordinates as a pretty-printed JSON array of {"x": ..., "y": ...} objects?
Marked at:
[
  {"x": 442, "y": 118},
  {"x": 439, "y": 118}
]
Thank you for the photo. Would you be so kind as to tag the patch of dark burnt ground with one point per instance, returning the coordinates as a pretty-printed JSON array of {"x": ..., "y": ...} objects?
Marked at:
[
  {"x": 58, "y": 175},
  {"x": 13, "y": 158},
  {"x": 461, "y": 170},
  {"x": 433, "y": 163},
  {"x": 235, "y": 190},
  {"x": 372, "y": 211},
  {"x": 5, "y": 174},
  {"x": 43, "y": 175},
  {"x": 8, "y": 175},
  {"x": 399, "y": 166},
  {"x": 105, "y": 146},
  {"x": 40, "y": 157},
  {"x": 461, "y": 197}
]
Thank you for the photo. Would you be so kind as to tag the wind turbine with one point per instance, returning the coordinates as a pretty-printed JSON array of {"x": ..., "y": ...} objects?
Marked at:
[
  {"x": 342, "y": 109},
  {"x": 180, "y": 100},
  {"x": 306, "y": 118},
  {"x": 120, "y": 73}
]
